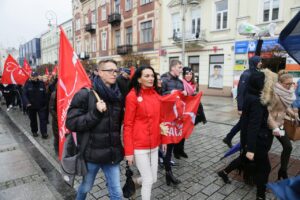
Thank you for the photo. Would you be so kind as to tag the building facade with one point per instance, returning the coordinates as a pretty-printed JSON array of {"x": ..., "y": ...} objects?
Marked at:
[
  {"x": 114, "y": 28},
  {"x": 31, "y": 51},
  {"x": 50, "y": 42},
  {"x": 214, "y": 49},
  {"x": 212, "y": 39},
  {"x": 4, "y": 52}
]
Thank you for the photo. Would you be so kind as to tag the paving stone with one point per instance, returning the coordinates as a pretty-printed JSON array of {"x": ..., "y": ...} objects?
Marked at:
[{"x": 209, "y": 190}]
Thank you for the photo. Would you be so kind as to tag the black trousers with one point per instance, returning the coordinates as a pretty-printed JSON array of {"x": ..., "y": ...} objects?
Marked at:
[
  {"x": 167, "y": 159},
  {"x": 286, "y": 151},
  {"x": 8, "y": 99},
  {"x": 42, "y": 113},
  {"x": 55, "y": 134},
  {"x": 179, "y": 148}
]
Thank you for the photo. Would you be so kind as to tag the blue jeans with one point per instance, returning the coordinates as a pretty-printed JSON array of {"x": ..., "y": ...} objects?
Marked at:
[{"x": 112, "y": 175}]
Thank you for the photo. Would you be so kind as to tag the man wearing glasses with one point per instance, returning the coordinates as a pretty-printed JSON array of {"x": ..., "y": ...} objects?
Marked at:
[{"x": 101, "y": 121}]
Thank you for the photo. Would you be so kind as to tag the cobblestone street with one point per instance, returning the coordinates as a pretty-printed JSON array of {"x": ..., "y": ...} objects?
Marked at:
[{"x": 197, "y": 173}]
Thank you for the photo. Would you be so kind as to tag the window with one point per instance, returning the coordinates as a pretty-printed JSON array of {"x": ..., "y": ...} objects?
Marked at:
[
  {"x": 128, "y": 5},
  {"x": 77, "y": 24},
  {"x": 129, "y": 35},
  {"x": 176, "y": 22},
  {"x": 271, "y": 10},
  {"x": 117, "y": 6},
  {"x": 196, "y": 22},
  {"x": 94, "y": 45},
  {"x": 103, "y": 12},
  {"x": 117, "y": 38},
  {"x": 221, "y": 14},
  {"x": 145, "y": 1},
  {"x": 146, "y": 32},
  {"x": 103, "y": 41},
  {"x": 93, "y": 17}
]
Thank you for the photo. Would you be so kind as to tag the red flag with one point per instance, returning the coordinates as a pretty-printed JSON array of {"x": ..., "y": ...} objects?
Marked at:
[
  {"x": 27, "y": 67},
  {"x": 178, "y": 116},
  {"x": 132, "y": 70},
  {"x": 54, "y": 71},
  {"x": 47, "y": 71},
  {"x": 71, "y": 78},
  {"x": 13, "y": 73}
]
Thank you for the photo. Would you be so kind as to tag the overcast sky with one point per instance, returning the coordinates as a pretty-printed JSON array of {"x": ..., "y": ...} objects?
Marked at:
[{"x": 22, "y": 20}]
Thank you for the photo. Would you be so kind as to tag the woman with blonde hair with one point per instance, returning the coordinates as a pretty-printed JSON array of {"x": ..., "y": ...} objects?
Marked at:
[{"x": 283, "y": 98}]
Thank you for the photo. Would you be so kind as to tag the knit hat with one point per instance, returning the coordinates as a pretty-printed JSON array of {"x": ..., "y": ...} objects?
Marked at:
[
  {"x": 253, "y": 61},
  {"x": 34, "y": 74},
  {"x": 186, "y": 70}
]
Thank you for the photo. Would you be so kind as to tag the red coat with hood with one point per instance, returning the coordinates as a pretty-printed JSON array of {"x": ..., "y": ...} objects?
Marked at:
[{"x": 142, "y": 120}]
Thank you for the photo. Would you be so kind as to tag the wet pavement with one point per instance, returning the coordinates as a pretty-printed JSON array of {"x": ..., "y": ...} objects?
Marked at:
[{"x": 197, "y": 173}]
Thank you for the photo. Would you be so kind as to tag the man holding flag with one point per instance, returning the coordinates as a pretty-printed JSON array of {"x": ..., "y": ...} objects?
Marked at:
[{"x": 101, "y": 119}]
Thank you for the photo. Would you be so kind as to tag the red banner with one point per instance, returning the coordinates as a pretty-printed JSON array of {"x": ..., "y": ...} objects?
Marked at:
[
  {"x": 71, "y": 78},
  {"x": 13, "y": 73},
  {"x": 27, "y": 67},
  {"x": 178, "y": 116}
]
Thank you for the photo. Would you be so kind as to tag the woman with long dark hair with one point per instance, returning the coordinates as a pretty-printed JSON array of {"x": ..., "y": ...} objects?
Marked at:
[{"x": 142, "y": 136}]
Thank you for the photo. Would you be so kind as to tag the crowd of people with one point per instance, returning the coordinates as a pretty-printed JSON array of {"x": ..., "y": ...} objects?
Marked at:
[{"x": 130, "y": 105}]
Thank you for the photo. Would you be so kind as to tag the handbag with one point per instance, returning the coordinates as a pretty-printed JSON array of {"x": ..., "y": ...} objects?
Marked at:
[
  {"x": 72, "y": 161},
  {"x": 129, "y": 186},
  {"x": 292, "y": 129}
]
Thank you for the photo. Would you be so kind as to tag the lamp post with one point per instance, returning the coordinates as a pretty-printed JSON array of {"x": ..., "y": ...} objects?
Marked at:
[
  {"x": 51, "y": 15},
  {"x": 184, "y": 4}
]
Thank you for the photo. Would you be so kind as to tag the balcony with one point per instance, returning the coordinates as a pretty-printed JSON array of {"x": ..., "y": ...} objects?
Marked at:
[
  {"x": 114, "y": 19},
  {"x": 90, "y": 28},
  {"x": 124, "y": 49},
  {"x": 192, "y": 39},
  {"x": 84, "y": 56}
]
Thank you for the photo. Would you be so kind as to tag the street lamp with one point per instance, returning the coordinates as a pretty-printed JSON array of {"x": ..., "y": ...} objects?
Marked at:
[
  {"x": 51, "y": 15},
  {"x": 184, "y": 3}
]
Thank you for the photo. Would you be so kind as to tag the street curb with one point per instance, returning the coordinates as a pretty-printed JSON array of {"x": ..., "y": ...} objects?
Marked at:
[{"x": 53, "y": 162}]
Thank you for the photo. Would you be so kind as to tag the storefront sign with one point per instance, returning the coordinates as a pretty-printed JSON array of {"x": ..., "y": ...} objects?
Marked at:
[{"x": 241, "y": 47}]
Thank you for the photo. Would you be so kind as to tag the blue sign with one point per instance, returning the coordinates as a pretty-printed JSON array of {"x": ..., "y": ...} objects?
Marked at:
[{"x": 241, "y": 47}]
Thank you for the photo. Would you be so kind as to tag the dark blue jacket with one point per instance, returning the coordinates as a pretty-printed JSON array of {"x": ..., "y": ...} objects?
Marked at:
[
  {"x": 34, "y": 93},
  {"x": 170, "y": 83},
  {"x": 243, "y": 83}
]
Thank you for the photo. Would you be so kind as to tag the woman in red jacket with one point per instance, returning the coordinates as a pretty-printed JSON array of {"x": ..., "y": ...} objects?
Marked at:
[{"x": 141, "y": 127}]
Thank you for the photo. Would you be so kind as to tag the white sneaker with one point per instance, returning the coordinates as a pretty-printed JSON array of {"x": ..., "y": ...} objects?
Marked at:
[{"x": 9, "y": 107}]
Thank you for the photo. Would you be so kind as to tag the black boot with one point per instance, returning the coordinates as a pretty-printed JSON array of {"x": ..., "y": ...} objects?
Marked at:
[
  {"x": 183, "y": 154},
  {"x": 224, "y": 177},
  {"x": 282, "y": 174},
  {"x": 228, "y": 142},
  {"x": 171, "y": 179}
]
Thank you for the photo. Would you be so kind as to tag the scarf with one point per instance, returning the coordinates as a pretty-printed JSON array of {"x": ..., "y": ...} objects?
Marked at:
[
  {"x": 287, "y": 97},
  {"x": 189, "y": 88},
  {"x": 108, "y": 94}
]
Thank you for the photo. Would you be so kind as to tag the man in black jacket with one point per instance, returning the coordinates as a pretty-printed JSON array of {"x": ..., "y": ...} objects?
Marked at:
[
  {"x": 35, "y": 99},
  {"x": 101, "y": 121},
  {"x": 254, "y": 65},
  {"x": 171, "y": 82},
  {"x": 123, "y": 81}
]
